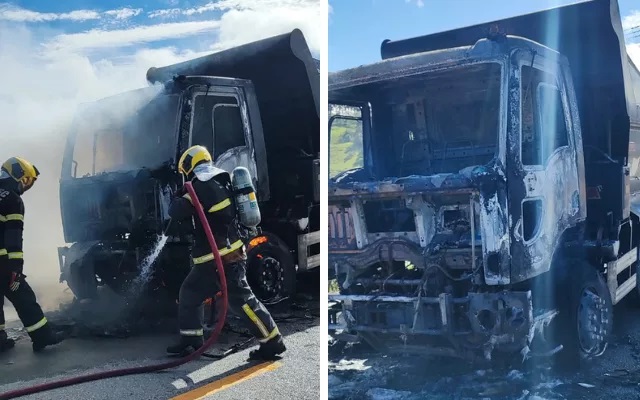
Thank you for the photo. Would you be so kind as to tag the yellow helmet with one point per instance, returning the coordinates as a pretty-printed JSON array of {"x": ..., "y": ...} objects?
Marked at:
[
  {"x": 22, "y": 171},
  {"x": 194, "y": 156}
]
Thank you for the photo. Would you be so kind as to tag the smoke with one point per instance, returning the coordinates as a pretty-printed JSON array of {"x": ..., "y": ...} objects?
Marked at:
[{"x": 39, "y": 94}]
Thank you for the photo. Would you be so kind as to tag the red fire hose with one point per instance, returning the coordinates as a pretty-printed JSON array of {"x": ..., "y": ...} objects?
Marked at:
[{"x": 156, "y": 367}]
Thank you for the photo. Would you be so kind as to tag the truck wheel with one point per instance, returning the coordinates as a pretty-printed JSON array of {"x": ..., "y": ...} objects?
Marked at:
[
  {"x": 271, "y": 271},
  {"x": 586, "y": 313}
]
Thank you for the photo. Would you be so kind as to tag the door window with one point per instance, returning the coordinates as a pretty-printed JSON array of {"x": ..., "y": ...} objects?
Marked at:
[
  {"x": 544, "y": 126},
  {"x": 346, "y": 150},
  {"x": 217, "y": 123}
]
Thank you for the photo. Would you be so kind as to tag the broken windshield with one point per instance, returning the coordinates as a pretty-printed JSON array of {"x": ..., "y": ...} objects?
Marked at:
[
  {"x": 441, "y": 121},
  {"x": 445, "y": 121},
  {"x": 134, "y": 132}
]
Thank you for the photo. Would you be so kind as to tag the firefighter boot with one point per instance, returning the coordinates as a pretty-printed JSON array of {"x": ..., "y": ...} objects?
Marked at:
[
  {"x": 44, "y": 337},
  {"x": 269, "y": 350},
  {"x": 5, "y": 342},
  {"x": 186, "y": 346}
]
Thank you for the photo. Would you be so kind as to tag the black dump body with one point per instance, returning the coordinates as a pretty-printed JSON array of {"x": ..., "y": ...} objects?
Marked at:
[
  {"x": 606, "y": 81},
  {"x": 286, "y": 80}
]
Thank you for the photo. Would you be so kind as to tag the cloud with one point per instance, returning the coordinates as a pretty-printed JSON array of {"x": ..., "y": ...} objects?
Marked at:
[
  {"x": 419, "y": 3},
  {"x": 266, "y": 18},
  {"x": 169, "y": 12},
  {"x": 634, "y": 52},
  {"x": 9, "y": 12},
  {"x": 13, "y": 13},
  {"x": 124, "y": 13},
  {"x": 226, "y": 5},
  {"x": 268, "y": 22},
  {"x": 632, "y": 20},
  {"x": 118, "y": 38}
]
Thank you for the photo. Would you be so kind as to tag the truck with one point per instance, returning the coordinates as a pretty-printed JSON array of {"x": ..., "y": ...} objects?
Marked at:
[
  {"x": 483, "y": 189},
  {"x": 256, "y": 106}
]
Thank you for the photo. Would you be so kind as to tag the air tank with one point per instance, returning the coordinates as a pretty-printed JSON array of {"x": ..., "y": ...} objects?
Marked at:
[{"x": 245, "y": 195}]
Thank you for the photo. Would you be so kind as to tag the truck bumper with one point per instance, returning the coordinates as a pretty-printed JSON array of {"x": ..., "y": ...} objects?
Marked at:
[
  {"x": 307, "y": 262},
  {"x": 62, "y": 253},
  {"x": 70, "y": 254},
  {"x": 479, "y": 321}
]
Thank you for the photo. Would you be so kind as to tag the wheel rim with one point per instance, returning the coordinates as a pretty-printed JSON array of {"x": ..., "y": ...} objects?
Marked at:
[
  {"x": 270, "y": 277},
  {"x": 592, "y": 322}
]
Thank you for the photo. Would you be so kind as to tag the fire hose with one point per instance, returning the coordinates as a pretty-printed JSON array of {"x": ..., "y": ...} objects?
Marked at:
[{"x": 154, "y": 367}]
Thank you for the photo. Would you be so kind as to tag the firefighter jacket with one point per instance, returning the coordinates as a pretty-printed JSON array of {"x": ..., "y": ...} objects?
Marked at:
[
  {"x": 215, "y": 196},
  {"x": 11, "y": 227}
]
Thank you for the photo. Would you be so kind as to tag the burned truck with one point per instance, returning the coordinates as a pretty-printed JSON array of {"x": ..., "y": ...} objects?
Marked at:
[
  {"x": 255, "y": 106},
  {"x": 483, "y": 188}
]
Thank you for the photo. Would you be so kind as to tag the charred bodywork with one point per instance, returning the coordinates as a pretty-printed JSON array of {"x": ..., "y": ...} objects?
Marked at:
[
  {"x": 119, "y": 171},
  {"x": 471, "y": 181}
]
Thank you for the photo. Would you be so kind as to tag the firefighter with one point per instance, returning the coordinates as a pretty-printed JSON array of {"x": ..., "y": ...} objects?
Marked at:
[
  {"x": 16, "y": 177},
  {"x": 213, "y": 189}
]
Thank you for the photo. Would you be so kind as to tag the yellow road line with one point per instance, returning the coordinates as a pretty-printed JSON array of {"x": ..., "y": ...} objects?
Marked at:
[{"x": 228, "y": 381}]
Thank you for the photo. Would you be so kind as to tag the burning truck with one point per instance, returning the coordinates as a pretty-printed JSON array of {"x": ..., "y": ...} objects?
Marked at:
[
  {"x": 254, "y": 105},
  {"x": 483, "y": 188}
]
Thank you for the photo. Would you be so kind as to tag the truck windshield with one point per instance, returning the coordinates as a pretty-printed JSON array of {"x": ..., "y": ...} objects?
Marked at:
[
  {"x": 441, "y": 121},
  {"x": 125, "y": 134}
]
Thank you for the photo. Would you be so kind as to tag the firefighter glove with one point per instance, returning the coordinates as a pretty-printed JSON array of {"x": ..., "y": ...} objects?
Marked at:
[{"x": 14, "y": 283}]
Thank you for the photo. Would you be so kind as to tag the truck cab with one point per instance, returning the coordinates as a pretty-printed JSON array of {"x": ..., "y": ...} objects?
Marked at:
[
  {"x": 461, "y": 221},
  {"x": 119, "y": 170}
]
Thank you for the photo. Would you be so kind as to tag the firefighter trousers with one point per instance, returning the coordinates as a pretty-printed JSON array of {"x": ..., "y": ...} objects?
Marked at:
[
  {"x": 26, "y": 305},
  {"x": 202, "y": 283}
]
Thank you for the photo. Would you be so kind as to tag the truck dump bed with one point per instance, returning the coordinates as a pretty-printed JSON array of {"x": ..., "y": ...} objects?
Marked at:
[{"x": 286, "y": 80}]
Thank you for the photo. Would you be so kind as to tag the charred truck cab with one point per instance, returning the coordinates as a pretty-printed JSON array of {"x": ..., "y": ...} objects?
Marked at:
[
  {"x": 480, "y": 198},
  {"x": 254, "y": 106}
]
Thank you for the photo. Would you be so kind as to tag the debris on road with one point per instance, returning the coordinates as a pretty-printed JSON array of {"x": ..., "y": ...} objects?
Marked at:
[{"x": 387, "y": 394}]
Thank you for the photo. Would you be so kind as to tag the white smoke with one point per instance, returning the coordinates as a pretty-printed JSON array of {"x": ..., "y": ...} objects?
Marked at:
[
  {"x": 38, "y": 98},
  {"x": 43, "y": 79}
]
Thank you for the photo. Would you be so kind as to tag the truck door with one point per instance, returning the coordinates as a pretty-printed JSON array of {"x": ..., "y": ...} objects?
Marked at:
[
  {"x": 348, "y": 132},
  {"x": 220, "y": 122},
  {"x": 543, "y": 188}
]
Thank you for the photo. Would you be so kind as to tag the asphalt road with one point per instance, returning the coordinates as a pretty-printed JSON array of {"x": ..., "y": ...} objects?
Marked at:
[
  {"x": 295, "y": 375},
  {"x": 358, "y": 373}
]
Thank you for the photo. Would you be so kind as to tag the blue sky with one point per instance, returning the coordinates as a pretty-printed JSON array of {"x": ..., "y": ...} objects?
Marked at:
[
  {"x": 358, "y": 27},
  {"x": 98, "y": 27},
  {"x": 56, "y": 54}
]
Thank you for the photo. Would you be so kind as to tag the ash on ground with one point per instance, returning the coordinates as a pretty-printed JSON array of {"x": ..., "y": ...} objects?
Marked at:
[
  {"x": 111, "y": 315},
  {"x": 357, "y": 372}
]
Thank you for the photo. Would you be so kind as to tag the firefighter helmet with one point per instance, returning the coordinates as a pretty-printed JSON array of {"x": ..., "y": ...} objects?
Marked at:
[
  {"x": 194, "y": 156},
  {"x": 22, "y": 171}
]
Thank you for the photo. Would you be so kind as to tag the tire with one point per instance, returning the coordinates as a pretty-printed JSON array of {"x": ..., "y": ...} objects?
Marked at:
[
  {"x": 271, "y": 271},
  {"x": 585, "y": 321}
]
